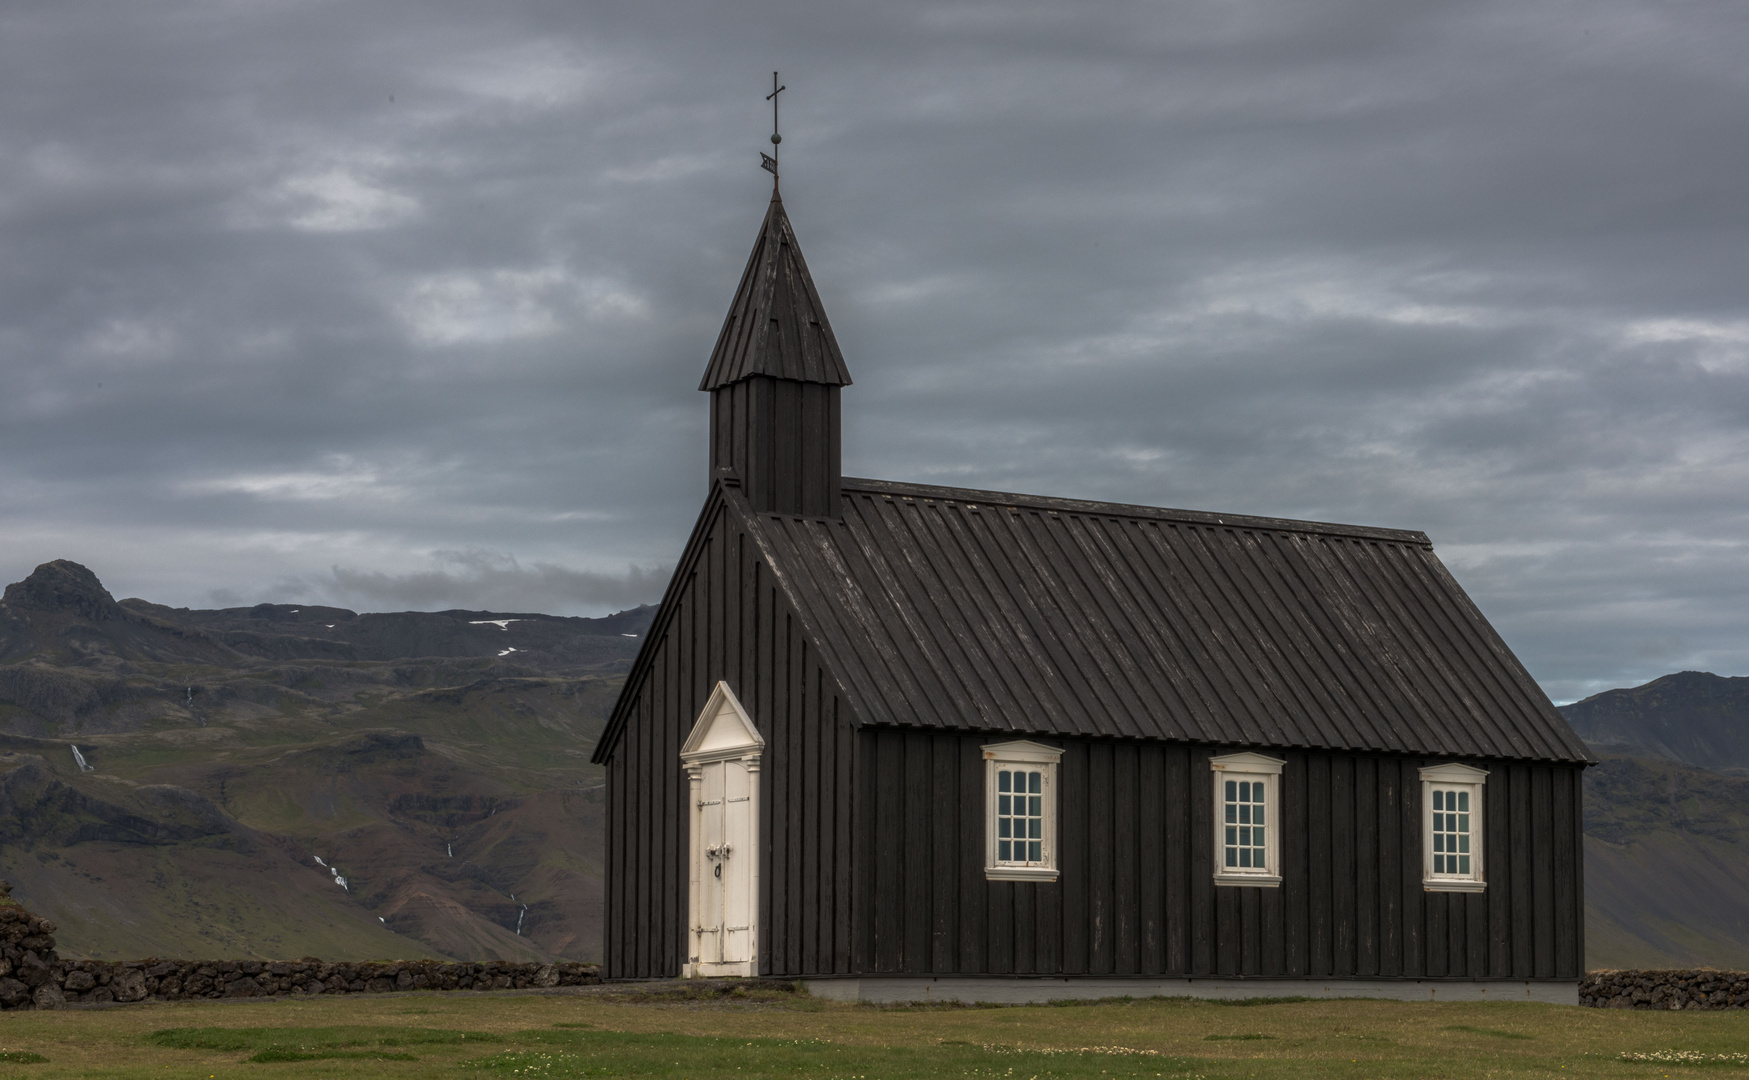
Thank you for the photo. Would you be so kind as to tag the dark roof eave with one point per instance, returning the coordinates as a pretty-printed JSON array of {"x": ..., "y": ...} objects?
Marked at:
[{"x": 1224, "y": 744}]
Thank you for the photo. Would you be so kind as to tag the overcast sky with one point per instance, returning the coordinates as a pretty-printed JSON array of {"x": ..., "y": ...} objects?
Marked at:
[{"x": 403, "y": 305}]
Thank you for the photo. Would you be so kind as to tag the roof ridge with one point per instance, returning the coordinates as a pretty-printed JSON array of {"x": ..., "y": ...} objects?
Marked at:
[{"x": 1135, "y": 510}]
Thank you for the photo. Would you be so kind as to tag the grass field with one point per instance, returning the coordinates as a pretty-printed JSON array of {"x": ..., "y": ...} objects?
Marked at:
[{"x": 779, "y": 1035}]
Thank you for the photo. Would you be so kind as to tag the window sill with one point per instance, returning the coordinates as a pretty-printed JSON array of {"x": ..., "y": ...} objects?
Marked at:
[
  {"x": 1020, "y": 873},
  {"x": 1265, "y": 881},
  {"x": 1448, "y": 885}
]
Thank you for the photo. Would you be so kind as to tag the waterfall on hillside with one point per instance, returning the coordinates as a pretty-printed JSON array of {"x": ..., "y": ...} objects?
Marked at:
[
  {"x": 79, "y": 759},
  {"x": 520, "y": 915},
  {"x": 451, "y": 849}
]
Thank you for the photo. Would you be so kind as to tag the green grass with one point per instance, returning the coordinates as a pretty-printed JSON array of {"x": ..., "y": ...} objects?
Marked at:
[
  {"x": 1487, "y": 1031},
  {"x": 317, "y": 1043},
  {"x": 1223, "y": 1038},
  {"x": 797, "y": 1038}
]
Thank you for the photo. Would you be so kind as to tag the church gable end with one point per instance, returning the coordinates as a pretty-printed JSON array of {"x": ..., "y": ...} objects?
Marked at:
[{"x": 726, "y": 621}]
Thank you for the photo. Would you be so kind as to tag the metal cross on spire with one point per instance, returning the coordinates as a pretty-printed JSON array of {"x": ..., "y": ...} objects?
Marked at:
[{"x": 768, "y": 162}]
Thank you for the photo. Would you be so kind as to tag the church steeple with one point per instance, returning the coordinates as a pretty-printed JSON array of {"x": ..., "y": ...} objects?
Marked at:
[{"x": 774, "y": 379}]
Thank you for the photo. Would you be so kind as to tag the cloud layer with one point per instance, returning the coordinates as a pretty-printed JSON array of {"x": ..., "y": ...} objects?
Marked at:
[{"x": 312, "y": 297}]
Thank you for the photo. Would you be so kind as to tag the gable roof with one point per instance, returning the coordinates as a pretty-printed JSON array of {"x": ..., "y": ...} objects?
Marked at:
[
  {"x": 776, "y": 325},
  {"x": 1013, "y": 614}
]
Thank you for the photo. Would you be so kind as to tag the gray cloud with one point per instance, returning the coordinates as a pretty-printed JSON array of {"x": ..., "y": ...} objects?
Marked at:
[
  {"x": 482, "y": 580},
  {"x": 293, "y": 287}
]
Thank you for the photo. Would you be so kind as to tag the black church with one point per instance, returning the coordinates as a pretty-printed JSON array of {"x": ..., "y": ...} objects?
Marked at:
[{"x": 911, "y": 742}]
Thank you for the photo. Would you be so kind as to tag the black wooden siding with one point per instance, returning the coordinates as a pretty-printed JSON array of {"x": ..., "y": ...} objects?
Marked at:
[
  {"x": 725, "y": 619},
  {"x": 1137, "y": 897},
  {"x": 782, "y": 439}
]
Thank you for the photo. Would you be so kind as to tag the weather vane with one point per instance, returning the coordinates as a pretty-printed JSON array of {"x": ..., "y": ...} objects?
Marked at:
[{"x": 768, "y": 162}]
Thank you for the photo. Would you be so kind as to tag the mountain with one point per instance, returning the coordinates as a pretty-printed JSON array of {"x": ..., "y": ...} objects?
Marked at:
[
  {"x": 1667, "y": 823},
  {"x": 1694, "y": 717},
  {"x": 1666, "y": 865},
  {"x": 199, "y": 782}
]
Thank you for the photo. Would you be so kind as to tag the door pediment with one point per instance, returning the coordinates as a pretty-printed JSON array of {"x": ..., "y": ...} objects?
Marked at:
[{"x": 722, "y": 731}]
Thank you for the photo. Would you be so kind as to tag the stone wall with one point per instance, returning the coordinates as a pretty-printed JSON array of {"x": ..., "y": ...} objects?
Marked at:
[
  {"x": 1702, "y": 988},
  {"x": 182, "y": 980},
  {"x": 30, "y": 969},
  {"x": 33, "y": 976}
]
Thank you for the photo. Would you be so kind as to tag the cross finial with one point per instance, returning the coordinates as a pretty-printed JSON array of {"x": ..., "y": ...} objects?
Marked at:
[{"x": 768, "y": 162}]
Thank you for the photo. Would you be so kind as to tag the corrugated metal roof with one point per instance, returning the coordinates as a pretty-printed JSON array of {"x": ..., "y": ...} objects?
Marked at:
[
  {"x": 947, "y": 608},
  {"x": 776, "y": 325}
]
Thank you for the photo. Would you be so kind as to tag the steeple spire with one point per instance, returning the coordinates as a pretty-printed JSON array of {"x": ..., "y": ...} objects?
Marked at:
[
  {"x": 768, "y": 162},
  {"x": 774, "y": 379}
]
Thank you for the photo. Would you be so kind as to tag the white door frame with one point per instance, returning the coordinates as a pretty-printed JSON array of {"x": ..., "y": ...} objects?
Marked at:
[{"x": 722, "y": 735}]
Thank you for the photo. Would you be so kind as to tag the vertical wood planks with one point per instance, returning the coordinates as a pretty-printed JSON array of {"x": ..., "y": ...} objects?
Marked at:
[
  {"x": 1072, "y": 854},
  {"x": 1498, "y": 853},
  {"x": 1319, "y": 867},
  {"x": 1543, "y": 867},
  {"x": 1296, "y": 829},
  {"x": 973, "y": 903},
  {"x": 1574, "y": 869},
  {"x": 1152, "y": 858},
  {"x": 1025, "y": 931},
  {"x": 888, "y": 800},
  {"x": 1178, "y": 856},
  {"x": 1100, "y": 858},
  {"x": 1391, "y": 857},
  {"x": 1343, "y": 837},
  {"x": 1201, "y": 914},
  {"x": 1366, "y": 866},
  {"x": 916, "y": 902},
  {"x": 1127, "y": 812},
  {"x": 948, "y": 835},
  {"x": 1518, "y": 830},
  {"x": 1414, "y": 897}
]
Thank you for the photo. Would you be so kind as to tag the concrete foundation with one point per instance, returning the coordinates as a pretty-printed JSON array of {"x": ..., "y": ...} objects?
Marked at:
[{"x": 1018, "y": 990}]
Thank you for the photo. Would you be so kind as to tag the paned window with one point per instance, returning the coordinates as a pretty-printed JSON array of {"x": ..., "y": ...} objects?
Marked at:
[
  {"x": 1247, "y": 811},
  {"x": 1451, "y": 819},
  {"x": 1020, "y": 816},
  {"x": 1020, "y": 827},
  {"x": 1247, "y": 819},
  {"x": 1451, "y": 831}
]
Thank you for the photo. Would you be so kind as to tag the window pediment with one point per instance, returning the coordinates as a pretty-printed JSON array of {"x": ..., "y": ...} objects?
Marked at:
[
  {"x": 1453, "y": 773},
  {"x": 1247, "y": 762},
  {"x": 1022, "y": 750}
]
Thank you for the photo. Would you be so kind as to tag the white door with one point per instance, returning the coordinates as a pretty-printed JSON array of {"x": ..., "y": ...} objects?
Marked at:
[{"x": 725, "y": 871}]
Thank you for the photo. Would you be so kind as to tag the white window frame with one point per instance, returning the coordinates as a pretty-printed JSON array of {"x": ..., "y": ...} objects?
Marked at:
[
  {"x": 1449, "y": 777},
  {"x": 1033, "y": 757},
  {"x": 1252, "y": 768}
]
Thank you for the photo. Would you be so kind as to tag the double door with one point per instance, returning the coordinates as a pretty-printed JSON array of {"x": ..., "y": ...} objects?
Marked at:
[{"x": 725, "y": 866}]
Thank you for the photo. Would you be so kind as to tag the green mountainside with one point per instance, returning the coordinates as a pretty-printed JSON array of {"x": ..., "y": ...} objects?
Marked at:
[
  {"x": 1666, "y": 840},
  {"x": 198, "y": 783}
]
